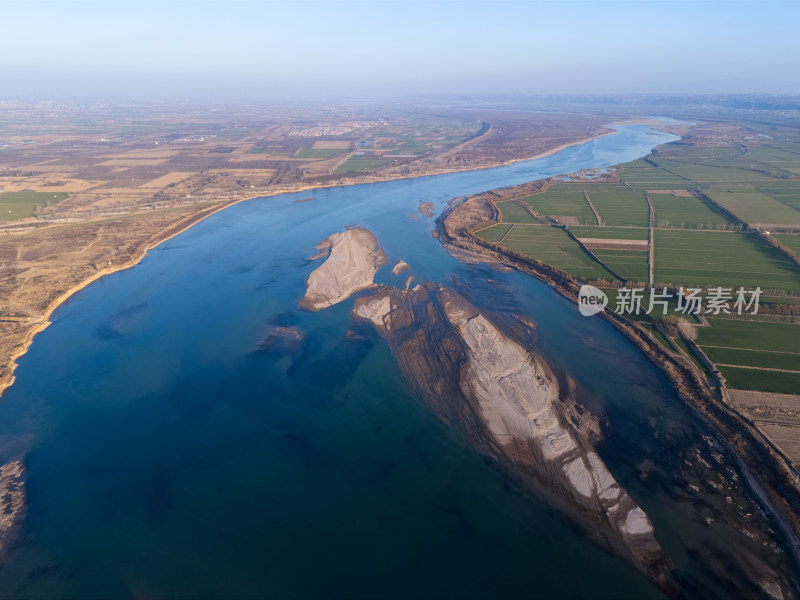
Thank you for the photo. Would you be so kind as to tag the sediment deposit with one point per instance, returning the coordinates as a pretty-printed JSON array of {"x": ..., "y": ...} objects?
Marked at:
[
  {"x": 508, "y": 403},
  {"x": 353, "y": 259}
]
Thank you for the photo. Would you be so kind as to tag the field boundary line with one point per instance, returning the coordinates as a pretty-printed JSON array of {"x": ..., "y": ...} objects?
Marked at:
[
  {"x": 591, "y": 254},
  {"x": 529, "y": 208},
  {"x": 733, "y": 216},
  {"x": 594, "y": 210},
  {"x": 748, "y": 349},
  {"x": 489, "y": 226},
  {"x": 697, "y": 183},
  {"x": 500, "y": 241},
  {"x": 757, "y": 368}
]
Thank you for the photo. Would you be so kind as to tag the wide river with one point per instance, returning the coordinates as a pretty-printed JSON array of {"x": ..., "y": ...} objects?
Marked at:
[{"x": 169, "y": 454}]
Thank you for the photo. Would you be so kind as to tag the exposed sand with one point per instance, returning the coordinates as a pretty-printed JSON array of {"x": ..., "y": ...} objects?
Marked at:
[
  {"x": 12, "y": 498},
  {"x": 480, "y": 378},
  {"x": 637, "y": 523},
  {"x": 580, "y": 477},
  {"x": 513, "y": 395},
  {"x": 353, "y": 259},
  {"x": 519, "y": 401},
  {"x": 375, "y": 310},
  {"x": 400, "y": 267}
]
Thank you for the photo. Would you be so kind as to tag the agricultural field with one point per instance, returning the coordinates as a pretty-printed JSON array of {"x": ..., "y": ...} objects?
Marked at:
[
  {"x": 754, "y": 355},
  {"x": 494, "y": 233},
  {"x": 511, "y": 212},
  {"x": 777, "y": 158},
  {"x": 553, "y": 246},
  {"x": 687, "y": 212},
  {"x": 653, "y": 178},
  {"x": 361, "y": 162},
  {"x": 630, "y": 265},
  {"x": 751, "y": 335},
  {"x": 698, "y": 244},
  {"x": 619, "y": 205},
  {"x": 21, "y": 205},
  {"x": 730, "y": 259},
  {"x": 755, "y": 207},
  {"x": 764, "y": 358},
  {"x": 784, "y": 191},
  {"x": 789, "y": 240},
  {"x": 611, "y": 233},
  {"x": 566, "y": 203},
  {"x": 778, "y": 382},
  {"x": 319, "y": 152},
  {"x": 422, "y": 135},
  {"x": 710, "y": 174}
]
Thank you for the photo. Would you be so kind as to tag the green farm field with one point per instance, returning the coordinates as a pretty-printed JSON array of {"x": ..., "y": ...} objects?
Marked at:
[
  {"x": 609, "y": 233},
  {"x": 687, "y": 212},
  {"x": 653, "y": 178},
  {"x": 710, "y": 174},
  {"x": 752, "y": 206},
  {"x": 788, "y": 240},
  {"x": 755, "y": 358},
  {"x": 628, "y": 264},
  {"x": 620, "y": 205},
  {"x": 360, "y": 162},
  {"x": 730, "y": 259},
  {"x": 511, "y": 212},
  {"x": 494, "y": 233},
  {"x": 558, "y": 203},
  {"x": 552, "y": 246},
  {"x": 758, "y": 346},
  {"x": 20, "y": 205},
  {"x": 777, "y": 158},
  {"x": 729, "y": 333},
  {"x": 765, "y": 381}
]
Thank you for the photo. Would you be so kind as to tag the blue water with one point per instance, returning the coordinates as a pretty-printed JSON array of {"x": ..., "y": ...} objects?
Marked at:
[{"x": 168, "y": 454}]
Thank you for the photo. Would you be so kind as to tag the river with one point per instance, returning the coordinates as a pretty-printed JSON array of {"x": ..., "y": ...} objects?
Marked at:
[{"x": 170, "y": 453}]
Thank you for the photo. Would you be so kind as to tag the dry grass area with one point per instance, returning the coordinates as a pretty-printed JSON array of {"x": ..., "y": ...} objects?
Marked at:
[
  {"x": 42, "y": 268},
  {"x": 776, "y": 415},
  {"x": 133, "y": 162},
  {"x": 168, "y": 179}
]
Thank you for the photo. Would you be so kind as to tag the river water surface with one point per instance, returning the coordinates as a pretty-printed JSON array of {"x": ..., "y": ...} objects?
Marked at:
[{"x": 170, "y": 454}]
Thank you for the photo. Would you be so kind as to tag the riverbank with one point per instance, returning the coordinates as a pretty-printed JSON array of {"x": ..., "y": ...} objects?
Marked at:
[
  {"x": 771, "y": 474},
  {"x": 18, "y": 340},
  {"x": 43, "y": 321}
]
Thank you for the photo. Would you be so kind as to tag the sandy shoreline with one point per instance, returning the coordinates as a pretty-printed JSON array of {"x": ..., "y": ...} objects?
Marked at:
[{"x": 43, "y": 321}]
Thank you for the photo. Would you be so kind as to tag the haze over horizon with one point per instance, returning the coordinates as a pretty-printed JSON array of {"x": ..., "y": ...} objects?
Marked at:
[{"x": 223, "y": 50}]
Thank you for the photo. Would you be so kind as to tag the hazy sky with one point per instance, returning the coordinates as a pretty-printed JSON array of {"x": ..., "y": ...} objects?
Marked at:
[{"x": 269, "y": 49}]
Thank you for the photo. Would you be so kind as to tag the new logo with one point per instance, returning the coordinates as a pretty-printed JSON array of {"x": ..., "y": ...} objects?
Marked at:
[{"x": 591, "y": 300}]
